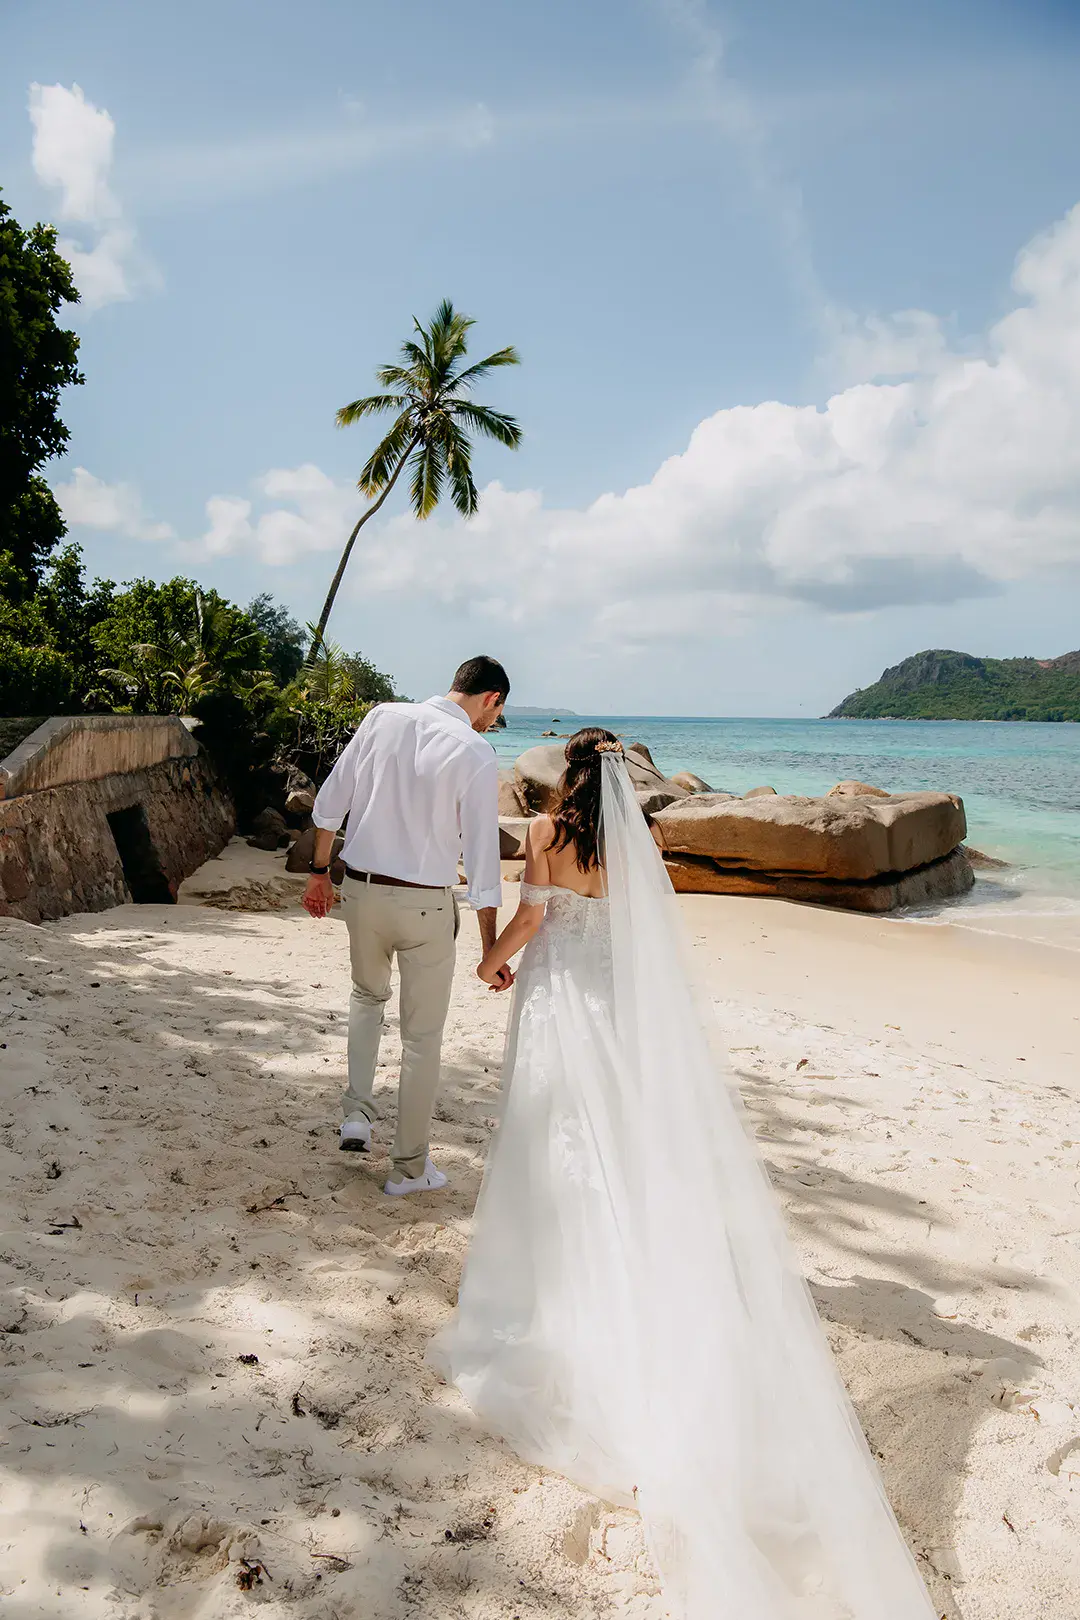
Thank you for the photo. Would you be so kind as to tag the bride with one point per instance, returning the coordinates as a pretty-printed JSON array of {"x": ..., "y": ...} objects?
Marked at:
[{"x": 631, "y": 1314}]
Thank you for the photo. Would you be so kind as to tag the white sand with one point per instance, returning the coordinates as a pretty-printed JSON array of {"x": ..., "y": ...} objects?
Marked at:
[{"x": 170, "y": 1080}]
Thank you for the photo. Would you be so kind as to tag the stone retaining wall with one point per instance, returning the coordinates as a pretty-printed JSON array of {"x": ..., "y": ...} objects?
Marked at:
[
  {"x": 86, "y": 747},
  {"x": 110, "y": 837}
]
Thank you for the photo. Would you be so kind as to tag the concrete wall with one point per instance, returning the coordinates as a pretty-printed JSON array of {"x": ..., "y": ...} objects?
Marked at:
[
  {"x": 58, "y": 854},
  {"x": 85, "y": 748}
]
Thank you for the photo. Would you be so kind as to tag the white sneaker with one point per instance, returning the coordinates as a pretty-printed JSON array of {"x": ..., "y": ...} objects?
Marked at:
[
  {"x": 430, "y": 1181},
  {"x": 356, "y": 1136}
]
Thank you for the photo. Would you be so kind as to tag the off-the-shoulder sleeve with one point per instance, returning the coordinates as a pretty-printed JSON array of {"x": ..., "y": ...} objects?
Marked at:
[{"x": 535, "y": 894}]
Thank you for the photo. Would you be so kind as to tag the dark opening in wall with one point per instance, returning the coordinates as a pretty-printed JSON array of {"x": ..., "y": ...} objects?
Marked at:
[{"x": 143, "y": 873}]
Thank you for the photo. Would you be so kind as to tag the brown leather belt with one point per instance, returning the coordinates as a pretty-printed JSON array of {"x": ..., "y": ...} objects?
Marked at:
[{"x": 388, "y": 882}]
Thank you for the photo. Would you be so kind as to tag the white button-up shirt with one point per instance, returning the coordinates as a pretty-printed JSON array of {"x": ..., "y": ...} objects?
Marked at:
[{"x": 420, "y": 788}]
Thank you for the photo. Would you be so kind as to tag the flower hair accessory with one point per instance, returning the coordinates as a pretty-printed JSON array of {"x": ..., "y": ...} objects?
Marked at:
[{"x": 609, "y": 748}]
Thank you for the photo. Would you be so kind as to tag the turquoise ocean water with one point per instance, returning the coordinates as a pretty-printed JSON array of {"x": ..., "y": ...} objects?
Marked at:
[{"x": 1020, "y": 784}]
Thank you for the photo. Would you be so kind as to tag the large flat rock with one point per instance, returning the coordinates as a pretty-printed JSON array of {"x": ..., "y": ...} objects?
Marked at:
[
  {"x": 941, "y": 880},
  {"x": 840, "y": 839}
]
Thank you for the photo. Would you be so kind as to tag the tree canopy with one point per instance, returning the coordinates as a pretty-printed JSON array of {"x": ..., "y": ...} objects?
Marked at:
[{"x": 38, "y": 359}]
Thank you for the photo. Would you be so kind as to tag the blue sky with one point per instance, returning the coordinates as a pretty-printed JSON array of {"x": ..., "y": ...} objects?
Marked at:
[{"x": 680, "y": 213}]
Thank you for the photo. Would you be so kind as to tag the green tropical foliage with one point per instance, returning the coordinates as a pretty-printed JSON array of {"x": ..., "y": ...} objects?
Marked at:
[
  {"x": 945, "y": 685},
  {"x": 334, "y": 675},
  {"x": 311, "y": 732},
  {"x": 430, "y": 396},
  {"x": 176, "y": 648},
  {"x": 164, "y": 647},
  {"x": 38, "y": 358},
  {"x": 324, "y": 706}
]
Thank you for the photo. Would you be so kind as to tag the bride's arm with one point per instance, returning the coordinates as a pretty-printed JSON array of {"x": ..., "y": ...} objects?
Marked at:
[{"x": 527, "y": 919}]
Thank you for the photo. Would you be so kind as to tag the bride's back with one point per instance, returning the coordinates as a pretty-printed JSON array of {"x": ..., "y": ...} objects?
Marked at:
[
  {"x": 545, "y": 865},
  {"x": 564, "y": 847}
]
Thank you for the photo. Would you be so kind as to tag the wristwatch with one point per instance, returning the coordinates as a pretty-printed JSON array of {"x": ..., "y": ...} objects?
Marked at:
[{"x": 317, "y": 871}]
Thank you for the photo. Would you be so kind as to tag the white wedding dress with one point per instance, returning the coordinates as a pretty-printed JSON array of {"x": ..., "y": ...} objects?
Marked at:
[{"x": 631, "y": 1315}]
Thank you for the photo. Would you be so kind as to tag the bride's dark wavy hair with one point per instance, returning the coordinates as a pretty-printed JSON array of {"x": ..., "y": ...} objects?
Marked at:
[{"x": 577, "y": 810}]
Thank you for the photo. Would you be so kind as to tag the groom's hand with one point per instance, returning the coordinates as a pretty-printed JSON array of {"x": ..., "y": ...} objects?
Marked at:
[{"x": 318, "y": 898}]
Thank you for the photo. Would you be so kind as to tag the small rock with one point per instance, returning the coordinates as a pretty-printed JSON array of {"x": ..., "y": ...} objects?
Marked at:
[
  {"x": 640, "y": 749},
  {"x": 856, "y": 790},
  {"x": 269, "y": 821},
  {"x": 511, "y": 802},
  {"x": 988, "y": 863},
  {"x": 299, "y": 857},
  {"x": 269, "y": 830},
  {"x": 691, "y": 782},
  {"x": 653, "y": 799},
  {"x": 760, "y": 793},
  {"x": 513, "y": 830}
]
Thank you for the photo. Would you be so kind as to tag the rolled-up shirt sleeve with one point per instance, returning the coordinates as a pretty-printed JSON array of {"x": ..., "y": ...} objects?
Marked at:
[
  {"x": 479, "y": 820},
  {"x": 334, "y": 799}
]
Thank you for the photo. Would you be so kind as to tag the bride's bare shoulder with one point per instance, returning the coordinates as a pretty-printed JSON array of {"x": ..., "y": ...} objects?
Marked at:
[
  {"x": 541, "y": 834},
  {"x": 537, "y": 843}
]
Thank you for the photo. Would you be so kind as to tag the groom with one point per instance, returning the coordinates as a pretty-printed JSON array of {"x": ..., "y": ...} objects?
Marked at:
[{"x": 419, "y": 788}]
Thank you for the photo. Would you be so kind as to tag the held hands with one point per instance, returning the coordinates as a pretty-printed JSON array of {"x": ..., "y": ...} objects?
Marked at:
[
  {"x": 500, "y": 978},
  {"x": 318, "y": 897}
]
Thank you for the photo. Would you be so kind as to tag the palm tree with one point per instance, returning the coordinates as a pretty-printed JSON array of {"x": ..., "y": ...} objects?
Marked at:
[{"x": 430, "y": 392}]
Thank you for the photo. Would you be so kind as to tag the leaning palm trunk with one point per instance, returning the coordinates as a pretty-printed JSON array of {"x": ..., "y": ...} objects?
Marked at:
[{"x": 335, "y": 583}]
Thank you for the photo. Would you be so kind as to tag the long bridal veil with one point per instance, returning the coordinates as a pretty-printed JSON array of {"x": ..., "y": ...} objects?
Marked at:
[{"x": 759, "y": 1495}]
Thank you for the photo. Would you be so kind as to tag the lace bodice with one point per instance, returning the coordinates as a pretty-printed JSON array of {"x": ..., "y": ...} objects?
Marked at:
[
  {"x": 583, "y": 916},
  {"x": 574, "y": 938}
]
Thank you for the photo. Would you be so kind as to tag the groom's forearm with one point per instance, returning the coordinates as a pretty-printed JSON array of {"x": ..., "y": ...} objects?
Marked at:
[
  {"x": 324, "y": 847},
  {"x": 489, "y": 927}
]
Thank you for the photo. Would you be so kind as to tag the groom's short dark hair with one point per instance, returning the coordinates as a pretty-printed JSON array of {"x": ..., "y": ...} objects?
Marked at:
[{"x": 482, "y": 674}]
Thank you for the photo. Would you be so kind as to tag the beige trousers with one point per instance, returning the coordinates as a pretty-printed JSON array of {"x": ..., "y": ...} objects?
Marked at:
[{"x": 417, "y": 926}]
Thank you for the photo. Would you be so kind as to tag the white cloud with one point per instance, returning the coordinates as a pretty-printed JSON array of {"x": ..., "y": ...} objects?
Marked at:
[
  {"x": 945, "y": 485},
  {"x": 864, "y": 349},
  {"x": 90, "y": 503},
  {"x": 319, "y": 517},
  {"x": 73, "y": 155}
]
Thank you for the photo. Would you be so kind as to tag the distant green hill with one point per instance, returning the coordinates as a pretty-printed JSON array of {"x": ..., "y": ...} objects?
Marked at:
[{"x": 957, "y": 686}]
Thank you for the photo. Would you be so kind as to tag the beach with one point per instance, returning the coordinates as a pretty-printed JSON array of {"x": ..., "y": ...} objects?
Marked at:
[{"x": 214, "y": 1323}]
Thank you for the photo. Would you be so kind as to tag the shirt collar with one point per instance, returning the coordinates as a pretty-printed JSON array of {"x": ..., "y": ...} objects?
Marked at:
[{"x": 447, "y": 706}]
